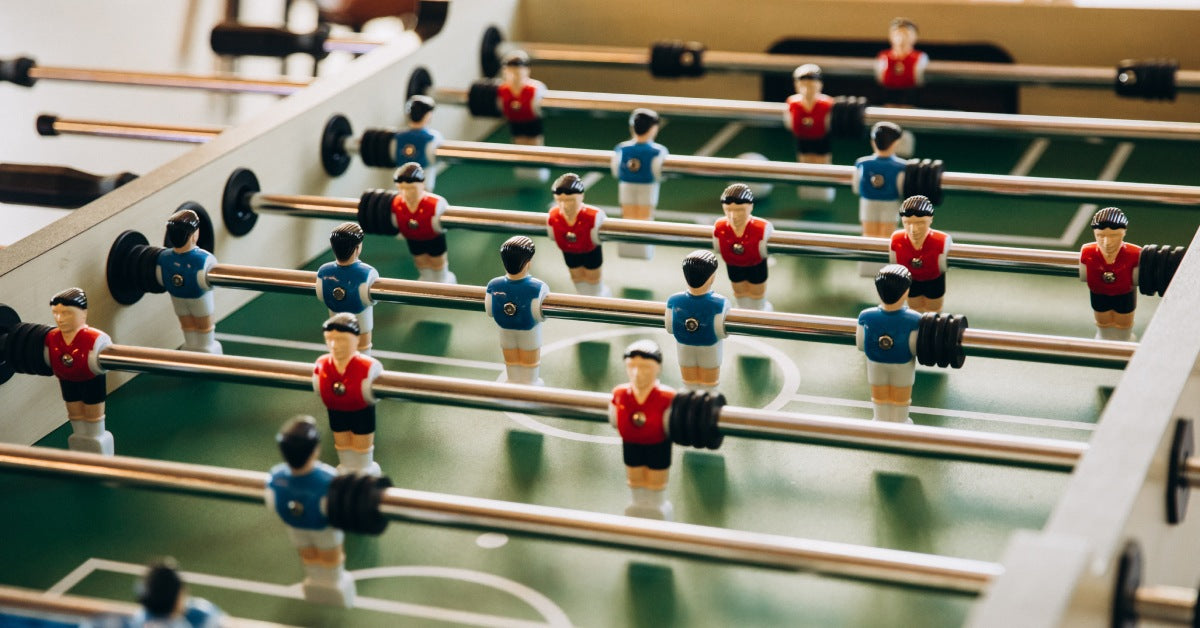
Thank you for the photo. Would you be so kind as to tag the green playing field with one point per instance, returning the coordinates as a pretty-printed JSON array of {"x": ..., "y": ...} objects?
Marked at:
[{"x": 91, "y": 539}]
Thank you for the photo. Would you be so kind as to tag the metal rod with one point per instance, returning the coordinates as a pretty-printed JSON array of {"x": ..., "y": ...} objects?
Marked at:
[
  {"x": 352, "y": 44},
  {"x": 211, "y": 82},
  {"x": 191, "y": 134},
  {"x": 1175, "y": 605},
  {"x": 886, "y": 566},
  {"x": 1191, "y": 472}
]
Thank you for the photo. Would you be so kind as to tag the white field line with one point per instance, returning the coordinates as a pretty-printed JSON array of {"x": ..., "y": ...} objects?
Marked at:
[{"x": 961, "y": 414}]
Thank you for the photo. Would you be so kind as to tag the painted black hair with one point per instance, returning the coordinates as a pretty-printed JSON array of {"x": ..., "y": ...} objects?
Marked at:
[
  {"x": 698, "y": 266},
  {"x": 892, "y": 282},
  {"x": 344, "y": 239},
  {"x": 181, "y": 225},
  {"x": 72, "y": 297},
  {"x": 515, "y": 253},
  {"x": 297, "y": 440}
]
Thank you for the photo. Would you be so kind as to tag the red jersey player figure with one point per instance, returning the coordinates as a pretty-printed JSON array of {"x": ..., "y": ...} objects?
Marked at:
[
  {"x": 73, "y": 351},
  {"x": 1109, "y": 266},
  {"x": 575, "y": 228},
  {"x": 417, "y": 214},
  {"x": 901, "y": 70},
  {"x": 923, "y": 252},
  {"x": 641, "y": 412},
  {"x": 741, "y": 240},
  {"x": 521, "y": 104},
  {"x": 808, "y": 117},
  {"x": 343, "y": 378}
]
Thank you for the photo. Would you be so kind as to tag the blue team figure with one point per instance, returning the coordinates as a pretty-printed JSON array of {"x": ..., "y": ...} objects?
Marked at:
[
  {"x": 296, "y": 491},
  {"x": 637, "y": 164},
  {"x": 879, "y": 183},
  {"x": 345, "y": 285},
  {"x": 166, "y": 603},
  {"x": 183, "y": 271},
  {"x": 514, "y": 301},
  {"x": 888, "y": 335},
  {"x": 697, "y": 320},
  {"x": 419, "y": 143}
]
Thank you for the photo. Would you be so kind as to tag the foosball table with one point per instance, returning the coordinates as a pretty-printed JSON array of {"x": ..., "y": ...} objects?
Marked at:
[{"x": 1043, "y": 483}]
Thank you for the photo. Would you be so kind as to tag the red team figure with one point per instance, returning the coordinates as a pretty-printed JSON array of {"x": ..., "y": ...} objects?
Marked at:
[
  {"x": 641, "y": 412},
  {"x": 741, "y": 240},
  {"x": 520, "y": 101},
  {"x": 922, "y": 250},
  {"x": 637, "y": 164},
  {"x": 417, "y": 214},
  {"x": 808, "y": 117},
  {"x": 901, "y": 70},
  {"x": 1110, "y": 266},
  {"x": 73, "y": 351},
  {"x": 343, "y": 378},
  {"x": 575, "y": 228}
]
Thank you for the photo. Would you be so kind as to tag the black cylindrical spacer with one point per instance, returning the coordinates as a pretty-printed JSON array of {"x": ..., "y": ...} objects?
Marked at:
[
  {"x": 336, "y": 507},
  {"x": 375, "y": 212},
  {"x": 45, "y": 125},
  {"x": 231, "y": 38},
  {"x": 236, "y": 212},
  {"x": 1183, "y": 446},
  {"x": 207, "y": 239},
  {"x": 926, "y": 353},
  {"x": 1152, "y": 79},
  {"x": 675, "y": 59},
  {"x": 366, "y": 504},
  {"x": 481, "y": 99},
  {"x": 682, "y": 413},
  {"x": 1129, "y": 578},
  {"x": 848, "y": 117},
  {"x": 489, "y": 52},
  {"x": 955, "y": 352},
  {"x": 9, "y": 320},
  {"x": 941, "y": 331},
  {"x": 375, "y": 148},
  {"x": 352, "y": 503},
  {"x": 1173, "y": 260},
  {"x": 419, "y": 83},
  {"x": 21, "y": 346},
  {"x": 334, "y": 157},
  {"x": 17, "y": 71},
  {"x": 713, "y": 437},
  {"x": 131, "y": 268},
  {"x": 1147, "y": 269}
]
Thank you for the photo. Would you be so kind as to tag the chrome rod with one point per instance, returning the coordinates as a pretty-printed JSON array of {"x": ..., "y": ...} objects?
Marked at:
[
  {"x": 160, "y": 132},
  {"x": 1174, "y": 605},
  {"x": 210, "y": 82},
  {"x": 886, "y": 566}
]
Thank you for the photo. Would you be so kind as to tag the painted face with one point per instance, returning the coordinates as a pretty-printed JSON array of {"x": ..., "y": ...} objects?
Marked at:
[
  {"x": 411, "y": 192},
  {"x": 515, "y": 74},
  {"x": 68, "y": 317},
  {"x": 1110, "y": 240},
  {"x": 903, "y": 39},
  {"x": 917, "y": 227},
  {"x": 342, "y": 344},
  {"x": 809, "y": 88},
  {"x": 643, "y": 372},
  {"x": 570, "y": 203},
  {"x": 737, "y": 213}
]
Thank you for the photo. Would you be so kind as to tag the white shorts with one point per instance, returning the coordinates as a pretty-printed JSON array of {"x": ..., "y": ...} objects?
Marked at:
[
  {"x": 326, "y": 539},
  {"x": 878, "y": 211},
  {"x": 523, "y": 339},
  {"x": 895, "y": 375},
  {"x": 366, "y": 319},
  {"x": 704, "y": 357},
  {"x": 199, "y": 307},
  {"x": 645, "y": 194}
]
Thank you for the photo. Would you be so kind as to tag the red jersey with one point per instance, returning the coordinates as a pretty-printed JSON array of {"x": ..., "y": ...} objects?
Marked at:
[
  {"x": 745, "y": 250},
  {"x": 418, "y": 225},
  {"x": 1113, "y": 279},
  {"x": 642, "y": 423},
  {"x": 900, "y": 73},
  {"x": 923, "y": 264},
  {"x": 519, "y": 106},
  {"x": 72, "y": 362},
  {"x": 347, "y": 391},
  {"x": 809, "y": 124},
  {"x": 576, "y": 238}
]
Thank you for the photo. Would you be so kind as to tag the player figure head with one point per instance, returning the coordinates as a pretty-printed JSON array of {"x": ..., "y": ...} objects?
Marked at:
[
  {"x": 410, "y": 182},
  {"x": 183, "y": 229},
  {"x": 892, "y": 283},
  {"x": 644, "y": 123},
  {"x": 699, "y": 271},
  {"x": 418, "y": 110},
  {"x": 69, "y": 309},
  {"x": 916, "y": 215},
  {"x": 808, "y": 80},
  {"x": 884, "y": 136},
  {"x": 162, "y": 592},
  {"x": 643, "y": 362},
  {"x": 516, "y": 254},
  {"x": 299, "y": 441},
  {"x": 346, "y": 241},
  {"x": 1109, "y": 225},
  {"x": 737, "y": 201},
  {"x": 341, "y": 335},
  {"x": 514, "y": 67},
  {"x": 902, "y": 33},
  {"x": 568, "y": 193}
]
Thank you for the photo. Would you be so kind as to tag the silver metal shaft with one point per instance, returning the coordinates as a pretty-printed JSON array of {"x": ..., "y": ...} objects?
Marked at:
[
  {"x": 1173, "y": 605},
  {"x": 212, "y": 82}
]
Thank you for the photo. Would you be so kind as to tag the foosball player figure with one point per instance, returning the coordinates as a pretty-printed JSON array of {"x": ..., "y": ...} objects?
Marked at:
[
  {"x": 166, "y": 603},
  {"x": 183, "y": 272},
  {"x": 888, "y": 335},
  {"x": 419, "y": 143},
  {"x": 637, "y": 164},
  {"x": 73, "y": 350},
  {"x": 297, "y": 491},
  {"x": 514, "y": 301},
  {"x": 808, "y": 116},
  {"x": 901, "y": 68},
  {"x": 696, "y": 318},
  {"x": 343, "y": 377},
  {"x": 923, "y": 251},
  {"x": 742, "y": 242},
  {"x": 641, "y": 412},
  {"x": 1109, "y": 266},
  {"x": 520, "y": 101},
  {"x": 575, "y": 228},
  {"x": 345, "y": 285},
  {"x": 417, "y": 214},
  {"x": 878, "y": 180}
]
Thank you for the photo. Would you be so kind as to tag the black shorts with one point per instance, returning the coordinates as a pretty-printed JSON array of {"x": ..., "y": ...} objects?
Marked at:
[
  {"x": 533, "y": 128},
  {"x": 357, "y": 421},
  {"x": 906, "y": 97},
  {"x": 1121, "y": 304},
  {"x": 656, "y": 457},
  {"x": 814, "y": 147},
  {"x": 90, "y": 392},
  {"x": 932, "y": 289},
  {"x": 434, "y": 246},
  {"x": 754, "y": 274},
  {"x": 591, "y": 260}
]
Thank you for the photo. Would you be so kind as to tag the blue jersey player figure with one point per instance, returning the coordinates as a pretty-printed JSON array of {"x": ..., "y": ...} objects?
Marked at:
[
  {"x": 637, "y": 164},
  {"x": 344, "y": 285},
  {"x": 696, "y": 318},
  {"x": 878, "y": 181},
  {"x": 514, "y": 301},
  {"x": 166, "y": 603},
  {"x": 183, "y": 271},
  {"x": 888, "y": 335},
  {"x": 296, "y": 491},
  {"x": 419, "y": 143}
]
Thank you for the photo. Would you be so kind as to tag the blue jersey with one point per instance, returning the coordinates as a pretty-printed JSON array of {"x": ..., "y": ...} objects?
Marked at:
[
  {"x": 415, "y": 145},
  {"x": 199, "y": 613},
  {"x": 511, "y": 301},
  {"x": 182, "y": 273},
  {"x": 694, "y": 318},
  {"x": 878, "y": 176},
  {"x": 634, "y": 161},
  {"x": 298, "y": 497},
  {"x": 344, "y": 288},
  {"x": 886, "y": 335}
]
